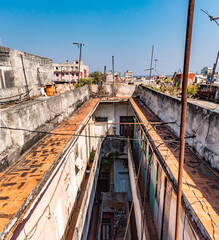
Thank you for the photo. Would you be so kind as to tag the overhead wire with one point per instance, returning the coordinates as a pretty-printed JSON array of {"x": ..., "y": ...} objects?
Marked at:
[{"x": 85, "y": 135}]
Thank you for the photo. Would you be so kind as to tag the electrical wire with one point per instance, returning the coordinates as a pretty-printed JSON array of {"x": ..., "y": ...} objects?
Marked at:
[
  {"x": 81, "y": 135},
  {"x": 109, "y": 123}
]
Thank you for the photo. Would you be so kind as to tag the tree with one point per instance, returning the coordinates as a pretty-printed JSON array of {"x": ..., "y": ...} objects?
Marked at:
[
  {"x": 96, "y": 76},
  {"x": 82, "y": 82}
]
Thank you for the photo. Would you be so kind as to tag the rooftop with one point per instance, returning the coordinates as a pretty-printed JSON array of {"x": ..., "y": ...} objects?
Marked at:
[{"x": 22, "y": 182}]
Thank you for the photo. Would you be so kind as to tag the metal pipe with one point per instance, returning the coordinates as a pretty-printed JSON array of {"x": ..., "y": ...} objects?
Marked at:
[
  {"x": 104, "y": 73},
  {"x": 79, "y": 62},
  {"x": 183, "y": 111},
  {"x": 25, "y": 77},
  {"x": 80, "y": 46},
  {"x": 212, "y": 76},
  {"x": 113, "y": 73},
  {"x": 151, "y": 64}
]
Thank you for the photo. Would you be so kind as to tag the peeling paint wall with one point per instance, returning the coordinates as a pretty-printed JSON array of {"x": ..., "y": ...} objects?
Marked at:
[
  {"x": 121, "y": 90},
  {"x": 113, "y": 112},
  {"x": 38, "y": 115},
  {"x": 138, "y": 206},
  {"x": 160, "y": 192},
  {"x": 38, "y": 70},
  {"x": 50, "y": 212},
  {"x": 204, "y": 121}
]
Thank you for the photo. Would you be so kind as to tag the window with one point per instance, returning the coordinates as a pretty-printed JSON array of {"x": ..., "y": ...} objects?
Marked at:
[
  {"x": 57, "y": 74},
  {"x": 66, "y": 74},
  {"x": 101, "y": 119},
  {"x": 57, "y": 68},
  {"x": 62, "y": 74},
  {"x": 106, "y": 230},
  {"x": 76, "y": 62}
]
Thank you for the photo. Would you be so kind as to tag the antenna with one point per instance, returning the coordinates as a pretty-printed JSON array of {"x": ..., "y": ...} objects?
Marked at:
[{"x": 211, "y": 17}]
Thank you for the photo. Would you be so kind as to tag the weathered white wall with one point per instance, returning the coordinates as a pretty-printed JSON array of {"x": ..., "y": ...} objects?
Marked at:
[
  {"x": 204, "y": 121},
  {"x": 84, "y": 217},
  {"x": 39, "y": 71},
  {"x": 113, "y": 112},
  {"x": 121, "y": 90},
  {"x": 50, "y": 212},
  {"x": 138, "y": 207},
  {"x": 34, "y": 115}
]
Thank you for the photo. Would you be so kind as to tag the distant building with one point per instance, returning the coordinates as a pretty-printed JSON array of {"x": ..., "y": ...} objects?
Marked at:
[
  {"x": 200, "y": 78},
  {"x": 128, "y": 75},
  {"x": 109, "y": 77},
  {"x": 68, "y": 72},
  {"x": 206, "y": 70},
  {"x": 179, "y": 77}
]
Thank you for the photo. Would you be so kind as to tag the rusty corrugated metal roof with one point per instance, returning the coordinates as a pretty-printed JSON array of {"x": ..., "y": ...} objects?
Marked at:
[{"x": 200, "y": 184}]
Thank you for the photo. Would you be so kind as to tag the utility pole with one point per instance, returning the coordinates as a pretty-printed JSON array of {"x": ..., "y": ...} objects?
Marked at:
[
  {"x": 212, "y": 76},
  {"x": 104, "y": 73},
  {"x": 151, "y": 64},
  {"x": 155, "y": 61},
  {"x": 183, "y": 112},
  {"x": 80, "y": 46},
  {"x": 113, "y": 73}
]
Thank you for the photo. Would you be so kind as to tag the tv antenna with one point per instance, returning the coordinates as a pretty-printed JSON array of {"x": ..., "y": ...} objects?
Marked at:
[{"x": 211, "y": 17}]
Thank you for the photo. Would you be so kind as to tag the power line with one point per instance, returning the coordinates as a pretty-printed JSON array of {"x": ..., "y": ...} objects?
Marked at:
[
  {"x": 109, "y": 123},
  {"x": 211, "y": 17},
  {"x": 91, "y": 136}
]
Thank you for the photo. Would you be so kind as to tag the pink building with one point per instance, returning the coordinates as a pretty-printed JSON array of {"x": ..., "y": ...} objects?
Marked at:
[{"x": 68, "y": 72}]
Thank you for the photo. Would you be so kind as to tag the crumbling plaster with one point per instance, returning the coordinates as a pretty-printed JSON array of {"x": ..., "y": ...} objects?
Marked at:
[
  {"x": 40, "y": 115},
  {"x": 204, "y": 121},
  {"x": 38, "y": 70}
]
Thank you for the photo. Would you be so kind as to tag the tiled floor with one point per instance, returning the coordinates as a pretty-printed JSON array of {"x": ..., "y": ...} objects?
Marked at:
[
  {"x": 17, "y": 183},
  {"x": 200, "y": 185}
]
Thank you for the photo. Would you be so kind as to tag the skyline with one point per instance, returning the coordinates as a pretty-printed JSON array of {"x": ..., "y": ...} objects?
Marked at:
[{"x": 126, "y": 30}]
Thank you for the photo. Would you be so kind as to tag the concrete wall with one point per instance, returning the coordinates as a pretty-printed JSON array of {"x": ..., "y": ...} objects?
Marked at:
[
  {"x": 121, "y": 90},
  {"x": 38, "y": 70},
  {"x": 113, "y": 112},
  {"x": 138, "y": 206},
  {"x": 162, "y": 195},
  {"x": 204, "y": 121},
  {"x": 39, "y": 115},
  {"x": 84, "y": 218},
  {"x": 50, "y": 212}
]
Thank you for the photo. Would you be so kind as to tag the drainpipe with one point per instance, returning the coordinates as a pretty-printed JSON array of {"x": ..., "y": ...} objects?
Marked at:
[
  {"x": 183, "y": 112},
  {"x": 25, "y": 77}
]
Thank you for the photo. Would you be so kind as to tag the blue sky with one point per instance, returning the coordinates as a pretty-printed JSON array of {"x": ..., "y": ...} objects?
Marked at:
[{"x": 125, "y": 29}]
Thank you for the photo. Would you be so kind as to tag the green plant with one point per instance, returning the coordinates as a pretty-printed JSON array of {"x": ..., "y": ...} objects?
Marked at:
[
  {"x": 82, "y": 82},
  {"x": 96, "y": 77},
  {"x": 92, "y": 154},
  {"x": 192, "y": 89}
]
